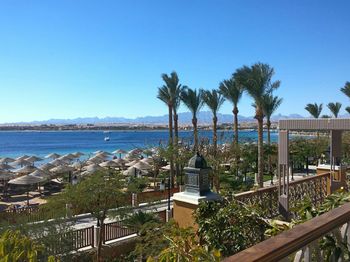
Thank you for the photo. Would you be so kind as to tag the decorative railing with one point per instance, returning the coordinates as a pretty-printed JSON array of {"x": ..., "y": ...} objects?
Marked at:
[
  {"x": 314, "y": 187},
  {"x": 302, "y": 243}
]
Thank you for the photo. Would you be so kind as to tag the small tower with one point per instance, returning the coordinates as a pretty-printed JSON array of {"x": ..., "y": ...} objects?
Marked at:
[{"x": 197, "y": 189}]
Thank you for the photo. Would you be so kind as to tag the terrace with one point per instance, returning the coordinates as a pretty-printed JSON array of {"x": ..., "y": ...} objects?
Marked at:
[{"x": 302, "y": 242}]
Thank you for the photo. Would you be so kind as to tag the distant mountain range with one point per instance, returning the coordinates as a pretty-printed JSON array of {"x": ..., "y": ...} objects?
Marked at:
[{"x": 204, "y": 117}]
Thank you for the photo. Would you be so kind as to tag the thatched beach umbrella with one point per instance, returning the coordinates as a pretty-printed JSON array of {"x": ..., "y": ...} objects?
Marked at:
[
  {"x": 120, "y": 152},
  {"x": 26, "y": 180},
  {"x": 96, "y": 160},
  {"x": 57, "y": 162},
  {"x": 22, "y": 157},
  {"x": 6, "y": 175},
  {"x": 98, "y": 151},
  {"x": 52, "y": 156},
  {"x": 42, "y": 174},
  {"x": 132, "y": 171},
  {"x": 6, "y": 160},
  {"x": 91, "y": 169},
  {"x": 63, "y": 169},
  {"x": 47, "y": 166},
  {"x": 21, "y": 162},
  {"x": 66, "y": 158},
  {"x": 70, "y": 156},
  {"x": 33, "y": 159},
  {"x": 77, "y": 165},
  {"x": 142, "y": 166},
  {"x": 4, "y": 166},
  {"x": 120, "y": 161},
  {"x": 104, "y": 153},
  {"x": 109, "y": 164},
  {"x": 25, "y": 170},
  {"x": 132, "y": 162},
  {"x": 78, "y": 154}
]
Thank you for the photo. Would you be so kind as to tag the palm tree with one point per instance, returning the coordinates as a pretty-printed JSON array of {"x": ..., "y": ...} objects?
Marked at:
[
  {"x": 334, "y": 108},
  {"x": 270, "y": 105},
  {"x": 231, "y": 90},
  {"x": 346, "y": 89},
  {"x": 314, "y": 109},
  {"x": 175, "y": 89},
  {"x": 165, "y": 95},
  {"x": 214, "y": 100},
  {"x": 194, "y": 102},
  {"x": 257, "y": 81}
]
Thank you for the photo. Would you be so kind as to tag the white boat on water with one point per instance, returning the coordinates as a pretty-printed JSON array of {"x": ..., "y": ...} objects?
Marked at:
[{"x": 107, "y": 138}]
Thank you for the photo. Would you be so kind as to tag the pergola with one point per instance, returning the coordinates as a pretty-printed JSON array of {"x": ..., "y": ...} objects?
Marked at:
[{"x": 334, "y": 126}]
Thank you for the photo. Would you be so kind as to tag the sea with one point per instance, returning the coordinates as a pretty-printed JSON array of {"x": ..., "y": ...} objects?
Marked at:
[{"x": 42, "y": 143}]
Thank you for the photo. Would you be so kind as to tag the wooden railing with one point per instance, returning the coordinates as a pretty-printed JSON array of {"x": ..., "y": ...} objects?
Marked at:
[
  {"x": 301, "y": 243},
  {"x": 71, "y": 241},
  {"x": 115, "y": 230},
  {"x": 83, "y": 238},
  {"x": 314, "y": 187},
  {"x": 36, "y": 213},
  {"x": 118, "y": 229}
]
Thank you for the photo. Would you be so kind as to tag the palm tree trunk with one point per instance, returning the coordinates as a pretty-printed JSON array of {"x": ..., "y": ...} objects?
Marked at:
[
  {"x": 235, "y": 127},
  {"x": 176, "y": 142},
  {"x": 259, "y": 116},
  {"x": 235, "y": 123},
  {"x": 268, "y": 125},
  {"x": 195, "y": 133},
  {"x": 171, "y": 142},
  {"x": 215, "y": 137}
]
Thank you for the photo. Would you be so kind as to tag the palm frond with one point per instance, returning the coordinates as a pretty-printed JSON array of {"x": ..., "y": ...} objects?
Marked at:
[
  {"x": 231, "y": 90},
  {"x": 314, "y": 109},
  {"x": 213, "y": 99},
  {"x": 347, "y": 109},
  {"x": 346, "y": 89},
  {"x": 334, "y": 108},
  {"x": 257, "y": 81},
  {"x": 192, "y": 99},
  {"x": 270, "y": 104}
]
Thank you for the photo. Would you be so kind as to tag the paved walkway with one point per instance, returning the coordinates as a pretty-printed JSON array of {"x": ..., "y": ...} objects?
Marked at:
[{"x": 86, "y": 220}]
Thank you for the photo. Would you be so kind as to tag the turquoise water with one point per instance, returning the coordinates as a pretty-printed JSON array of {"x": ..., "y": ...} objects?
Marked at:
[{"x": 16, "y": 143}]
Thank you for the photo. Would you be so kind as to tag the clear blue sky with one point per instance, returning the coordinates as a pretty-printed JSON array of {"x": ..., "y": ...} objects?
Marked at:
[{"x": 67, "y": 59}]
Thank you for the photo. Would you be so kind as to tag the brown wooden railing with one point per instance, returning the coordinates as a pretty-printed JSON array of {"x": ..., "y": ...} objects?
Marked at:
[
  {"x": 83, "y": 238},
  {"x": 71, "y": 241},
  {"x": 314, "y": 187},
  {"x": 115, "y": 230},
  {"x": 301, "y": 243},
  {"x": 36, "y": 213}
]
